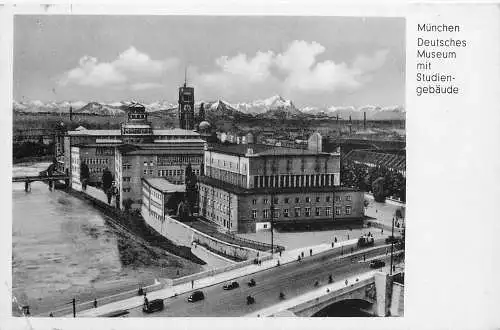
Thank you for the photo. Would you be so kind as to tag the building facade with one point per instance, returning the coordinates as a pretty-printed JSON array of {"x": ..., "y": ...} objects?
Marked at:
[
  {"x": 167, "y": 160},
  {"x": 243, "y": 186}
]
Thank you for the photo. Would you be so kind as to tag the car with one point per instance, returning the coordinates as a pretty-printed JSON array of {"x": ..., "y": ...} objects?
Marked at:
[
  {"x": 377, "y": 263},
  {"x": 231, "y": 286},
  {"x": 153, "y": 306},
  {"x": 196, "y": 296},
  {"x": 392, "y": 239}
]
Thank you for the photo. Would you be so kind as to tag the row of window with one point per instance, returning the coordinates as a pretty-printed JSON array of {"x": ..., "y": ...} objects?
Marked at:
[
  {"x": 220, "y": 220},
  {"x": 95, "y": 161},
  {"x": 210, "y": 203},
  {"x": 291, "y": 181},
  {"x": 137, "y": 131},
  {"x": 226, "y": 163},
  {"x": 175, "y": 160},
  {"x": 318, "y": 211},
  {"x": 175, "y": 172},
  {"x": 215, "y": 193},
  {"x": 286, "y": 200}
]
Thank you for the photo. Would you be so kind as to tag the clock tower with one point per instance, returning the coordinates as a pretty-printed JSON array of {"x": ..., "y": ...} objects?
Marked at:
[{"x": 186, "y": 107}]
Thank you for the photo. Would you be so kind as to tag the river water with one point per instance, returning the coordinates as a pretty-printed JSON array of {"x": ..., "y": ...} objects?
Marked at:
[{"x": 62, "y": 248}]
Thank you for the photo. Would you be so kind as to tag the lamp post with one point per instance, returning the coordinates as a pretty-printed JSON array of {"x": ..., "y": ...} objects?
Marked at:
[{"x": 392, "y": 244}]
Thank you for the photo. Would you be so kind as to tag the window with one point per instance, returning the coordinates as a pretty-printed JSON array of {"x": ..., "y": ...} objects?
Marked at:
[
  {"x": 266, "y": 214},
  {"x": 254, "y": 214},
  {"x": 276, "y": 200},
  {"x": 145, "y": 172},
  {"x": 318, "y": 211},
  {"x": 126, "y": 179},
  {"x": 285, "y": 213},
  {"x": 348, "y": 210},
  {"x": 254, "y": 201},
  {"x": 286, "y": 200},
  {"x": 327, "y": 199},
  {"x": 297, "y": 200},
  {"x": 337, "y": 211},
  {"x": 317, "y": 199},
  {"x": 337, "y": 198},
  {"x": 348, "y": 198},
  {"x": 308, "y": 211},
  {"x": 145, "y": 163},
  {"x": 266, "y": 201},
  {"x": 150, "y": 172},
  {"x": 297, "y": 212},
  {"x": 328, "y": 211},
  {"x": 308, "y": 200}
]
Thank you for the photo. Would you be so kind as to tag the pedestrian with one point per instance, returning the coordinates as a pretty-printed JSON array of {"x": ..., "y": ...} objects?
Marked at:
[
  {"x": 192, "y": 284},
  {"x": 280, "y": 253},
  {"x": 146, "y": 302},
  {"x": 332, "y": 244},
  {"x": 51, "y": 315},
  {"x": 364, "y": 257},
  {"x": 335, "y": 239},
  {"x": 346, "y": 282},
  {"x": 298, "y": 258},
  {"x": 382, "y": 231},
  {"x": 95, "y": 303},
  {"x": 347, "y": 236},
  {"x": 310, "y": 252},
  {"x": 278, "y": 263},
  {"x": 302, "y": 254}
]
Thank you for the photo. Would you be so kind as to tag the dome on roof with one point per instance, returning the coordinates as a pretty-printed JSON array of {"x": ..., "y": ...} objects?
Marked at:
[
  {"x": 204, "y": 125},
  {"x": 80, "y": 128}
]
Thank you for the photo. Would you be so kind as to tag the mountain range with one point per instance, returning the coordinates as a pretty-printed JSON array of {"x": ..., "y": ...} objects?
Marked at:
[{"x": 274, "y": 107}]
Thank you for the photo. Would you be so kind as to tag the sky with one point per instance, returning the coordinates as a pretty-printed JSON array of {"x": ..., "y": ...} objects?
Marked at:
[{"x": 313, "y": 61}]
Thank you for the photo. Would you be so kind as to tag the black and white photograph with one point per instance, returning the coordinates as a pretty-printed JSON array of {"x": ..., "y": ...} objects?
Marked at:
[{"x": 208, "y": 166}]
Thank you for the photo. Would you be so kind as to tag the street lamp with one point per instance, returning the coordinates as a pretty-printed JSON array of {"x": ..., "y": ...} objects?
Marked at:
[{"x": 392, "y": 244}]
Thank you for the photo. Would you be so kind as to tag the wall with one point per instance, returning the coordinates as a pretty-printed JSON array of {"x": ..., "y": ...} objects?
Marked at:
[
  {"x": 182, "y": 234},
  {"x": 397, "y": 300}
]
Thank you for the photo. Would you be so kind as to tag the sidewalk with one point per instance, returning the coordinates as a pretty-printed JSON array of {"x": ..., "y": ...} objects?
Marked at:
[{"x": 286, "y": 257}]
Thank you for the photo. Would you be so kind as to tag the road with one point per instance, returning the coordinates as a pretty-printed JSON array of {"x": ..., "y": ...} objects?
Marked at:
[{"x": 293, "y": 279}]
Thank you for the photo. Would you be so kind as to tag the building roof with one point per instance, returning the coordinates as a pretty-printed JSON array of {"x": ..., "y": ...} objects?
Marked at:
[
  {"x": 164, "y": 185},
  {"x": 160, "y": 149},
  {"x": 96, "y": 132},
  {"x": 369, "y": 157},
  {"x": 111, "y": 132},
  {"x": 261, "y": 150}
]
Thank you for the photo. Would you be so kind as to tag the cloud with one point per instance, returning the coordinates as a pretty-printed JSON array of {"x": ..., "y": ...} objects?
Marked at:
[
  {"x": 304, "y": 73},
  {"x": 299, "y": 68},
  {"x": 128, "y": 68}
]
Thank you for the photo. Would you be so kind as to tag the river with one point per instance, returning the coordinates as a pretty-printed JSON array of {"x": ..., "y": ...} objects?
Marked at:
[{"x": 62, "y": 248}]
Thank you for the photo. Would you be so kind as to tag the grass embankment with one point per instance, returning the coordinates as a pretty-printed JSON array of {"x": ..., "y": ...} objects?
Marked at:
[{"x": 135, "y": 224}]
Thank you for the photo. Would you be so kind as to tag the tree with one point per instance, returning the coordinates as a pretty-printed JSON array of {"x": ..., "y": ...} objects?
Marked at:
[
  {"x": 378, "y": 190},
  {"x": 191, "y": 188},
  {"x": 84, "y": 175},
  {"x": 127, "y": 204},
  {"x": 107, "y": 179},
  {"x": 182, "y": 211}
]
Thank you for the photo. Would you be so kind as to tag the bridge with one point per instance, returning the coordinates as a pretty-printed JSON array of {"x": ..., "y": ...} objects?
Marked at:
[
  {"x": 32, "y": 178},
  {"x": 43, "y": 177},
  {"x": 375, "y": 288}
]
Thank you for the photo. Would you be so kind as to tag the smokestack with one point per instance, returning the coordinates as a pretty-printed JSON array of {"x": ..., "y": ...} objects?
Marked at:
[{"x": 364, "y": 120}]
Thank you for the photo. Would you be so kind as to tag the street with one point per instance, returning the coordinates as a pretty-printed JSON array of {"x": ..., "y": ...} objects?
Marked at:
[{"x": 292, "y": 279}]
